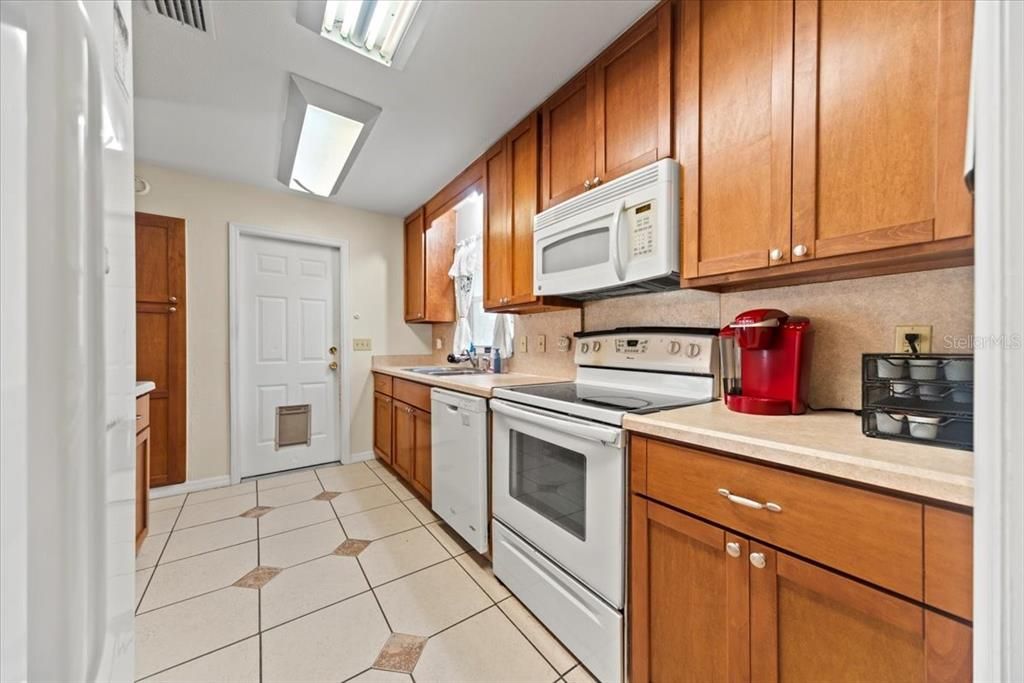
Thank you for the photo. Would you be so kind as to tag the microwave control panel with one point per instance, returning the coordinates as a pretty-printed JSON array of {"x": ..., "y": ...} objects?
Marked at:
[{"x": 641, "y": 229}]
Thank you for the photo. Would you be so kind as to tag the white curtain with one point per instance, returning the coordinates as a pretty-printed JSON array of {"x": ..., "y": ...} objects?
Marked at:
[
  {"x": 464, "y": 267},
  {"x": 504, "y": 334}
]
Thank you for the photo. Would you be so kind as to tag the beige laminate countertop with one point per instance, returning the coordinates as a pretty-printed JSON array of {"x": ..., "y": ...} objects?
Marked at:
[
  {"x": 477, "y": 385},
  {"x": 826, "y": 443}
]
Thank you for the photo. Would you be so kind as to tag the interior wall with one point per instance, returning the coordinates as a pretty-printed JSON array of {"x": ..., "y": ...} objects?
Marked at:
[
  {"x": 850, "y": 318},
  {"x": 375, "y": 279}
]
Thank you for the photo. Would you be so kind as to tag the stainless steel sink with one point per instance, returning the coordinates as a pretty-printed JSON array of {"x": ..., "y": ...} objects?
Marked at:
[{"x": 440, "y": 371}]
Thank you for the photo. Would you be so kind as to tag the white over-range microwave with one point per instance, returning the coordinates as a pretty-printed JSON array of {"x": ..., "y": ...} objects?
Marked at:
[{"x": 618, "y": 239}]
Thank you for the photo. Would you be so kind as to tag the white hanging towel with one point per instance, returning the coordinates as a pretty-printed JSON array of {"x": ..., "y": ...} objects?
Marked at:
[
  {"x": 504, "y": 334},
  {"x": 464, "y": 265}
]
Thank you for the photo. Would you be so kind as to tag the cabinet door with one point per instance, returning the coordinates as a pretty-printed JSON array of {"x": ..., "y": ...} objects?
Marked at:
[
  {"x": 568, "y": 141},
  {"x": 415, "y": 295},
  {"x": 690, "y": 593},
  {"x": 523, "y": 178},
  {"x": 404, "y": 444},
  {"x": 807, "y": 623},
  {"x": 735, "y": 103},
  {"x": 632, "y": 97},
  {"x": 142, "y": 444},
  {"x": 382, "y": 415},
  {"x": 879, "y": 119},
  {"x": 497, "y": 228},
  {"x": 421, "y": 453}
]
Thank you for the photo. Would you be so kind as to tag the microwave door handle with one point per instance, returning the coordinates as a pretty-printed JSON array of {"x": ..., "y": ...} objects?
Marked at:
[
  {"x": 620, "y": 268},
  {"x": 579, "y": 428}
]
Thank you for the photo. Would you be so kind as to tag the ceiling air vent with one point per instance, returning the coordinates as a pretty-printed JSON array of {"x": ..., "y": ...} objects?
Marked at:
[{"x": 186, "y": 12}]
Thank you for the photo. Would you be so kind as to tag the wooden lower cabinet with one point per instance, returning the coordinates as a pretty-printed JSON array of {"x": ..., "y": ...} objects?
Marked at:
[
  {"x": 709, "y": 605},
  {"x": 382, "y": 416},
  {"x": 142, "y": 445},
  {"x": 421, "y": 464},
  {"x": 403, "y": 422}
]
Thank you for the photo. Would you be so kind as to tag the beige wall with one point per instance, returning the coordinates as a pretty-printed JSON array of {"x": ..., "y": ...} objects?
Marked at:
[
  {"x": 850, "y": 318},
  {"x": 375, "y": 278}
]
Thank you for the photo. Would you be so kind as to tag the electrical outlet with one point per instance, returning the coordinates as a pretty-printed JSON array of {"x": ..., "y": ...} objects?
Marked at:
[
  {"x": 522, "y": 348},
  {"x": 439, "y": 343},
  {"x": 362, "y": 344},
  {"x": 924, "y": 338},
  {"x": 542, "y": 344}
]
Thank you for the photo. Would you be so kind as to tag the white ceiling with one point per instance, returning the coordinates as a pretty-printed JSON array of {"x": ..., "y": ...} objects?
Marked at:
[{"x": 215, "y": 104}]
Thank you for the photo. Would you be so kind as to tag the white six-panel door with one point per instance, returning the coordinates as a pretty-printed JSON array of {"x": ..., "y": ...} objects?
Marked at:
[{"x": 287, "y": 300}]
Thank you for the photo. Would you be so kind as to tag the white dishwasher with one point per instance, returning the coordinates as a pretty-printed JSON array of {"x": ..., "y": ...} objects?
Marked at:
[{"x": 458, "y": 452}]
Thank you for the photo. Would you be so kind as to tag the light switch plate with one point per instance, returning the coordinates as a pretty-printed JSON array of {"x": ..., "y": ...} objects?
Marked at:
[
  {"x": 522, "y": 346},
  {"x": 924, "y": 340},
  {"x": 362, "y": 344},
  {"x": 542, "y": 343}
]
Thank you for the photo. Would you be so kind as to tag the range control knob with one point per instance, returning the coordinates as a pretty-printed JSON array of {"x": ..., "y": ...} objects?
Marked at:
[
  {"x": 584, "y": 347},
  {"x": 692, "y": 350},
  {"x": 597, "y": 346},
  {"x": 674, "y": 347}
]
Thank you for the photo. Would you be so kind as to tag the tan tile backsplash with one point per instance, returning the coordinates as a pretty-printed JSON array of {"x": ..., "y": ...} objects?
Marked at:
[{"x": 850, "y": 317}]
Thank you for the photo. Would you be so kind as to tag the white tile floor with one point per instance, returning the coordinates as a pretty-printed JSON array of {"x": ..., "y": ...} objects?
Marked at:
[{"x": 313, "y": 614}]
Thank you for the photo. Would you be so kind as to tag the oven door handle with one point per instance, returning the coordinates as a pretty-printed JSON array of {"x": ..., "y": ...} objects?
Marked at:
[{"x": 580, "y": 428}]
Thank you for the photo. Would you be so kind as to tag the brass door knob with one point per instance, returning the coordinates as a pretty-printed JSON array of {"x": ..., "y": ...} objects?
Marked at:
[
  {"x": 333, "y": 365},
  {"x": 333, "y": 350}
]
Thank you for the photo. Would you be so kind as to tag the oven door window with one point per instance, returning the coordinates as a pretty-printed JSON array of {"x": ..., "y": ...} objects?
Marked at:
[{"x": 550, "y": 480}]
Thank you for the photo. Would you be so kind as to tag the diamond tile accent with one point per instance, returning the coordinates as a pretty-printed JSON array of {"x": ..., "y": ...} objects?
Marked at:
[
  {"x": 258, "y": 511},
  {"x": 326, "y": 495},
  {"x": 351, "y": 547},
  {"x": 400, "y": 653},
  {"x": 257, "y": 578}
]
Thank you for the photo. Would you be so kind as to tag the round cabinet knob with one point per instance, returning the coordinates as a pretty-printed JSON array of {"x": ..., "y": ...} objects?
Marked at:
[
  {"x": 775, "y": 254},
  {"x": 584, "y": 347},
  {"x": 757, "y": 559},
  {"x": 586, "y": 184},
  {"x": 595, "y": 182},
  {"x": 800, "y": 250},
  {"x": 733, "y": 549},
  {"x": 674, "y": 347},
  {"x": 597, "y": 346},
  {"x": 693, "y": 350}
]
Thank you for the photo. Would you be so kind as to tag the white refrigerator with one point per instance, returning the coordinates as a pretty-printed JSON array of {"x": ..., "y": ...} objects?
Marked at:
[{"x": 67, "y": 341}]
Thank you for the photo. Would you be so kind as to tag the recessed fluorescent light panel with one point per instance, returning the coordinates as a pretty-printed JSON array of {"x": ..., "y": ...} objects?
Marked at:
[
  {"x": 323, "y": 132},
  {"x": 382, "y": 30}
]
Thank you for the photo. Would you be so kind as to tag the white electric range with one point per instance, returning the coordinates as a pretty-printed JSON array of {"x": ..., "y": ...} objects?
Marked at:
[{"x": 559, "y": 478}]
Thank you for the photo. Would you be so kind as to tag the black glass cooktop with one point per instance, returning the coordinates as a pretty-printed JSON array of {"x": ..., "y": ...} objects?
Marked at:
[{"x": 608, "y": 398}]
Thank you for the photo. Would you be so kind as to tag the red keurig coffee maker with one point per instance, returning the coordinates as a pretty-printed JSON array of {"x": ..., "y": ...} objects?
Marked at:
[{"x": 766, "y": 361}]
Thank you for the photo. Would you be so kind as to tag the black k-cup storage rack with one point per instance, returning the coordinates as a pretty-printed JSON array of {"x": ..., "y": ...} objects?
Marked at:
[{"x": 926, "y": 398}]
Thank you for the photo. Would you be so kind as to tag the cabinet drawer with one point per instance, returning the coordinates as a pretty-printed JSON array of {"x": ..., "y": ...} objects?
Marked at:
[
  {"x": 869, "y": 535},
  {"x": 413, "y": 393},
  {"x": 948, "y": 559},
  {"x": 382, "y": 384},
  {"x": 141, "y": 413}
]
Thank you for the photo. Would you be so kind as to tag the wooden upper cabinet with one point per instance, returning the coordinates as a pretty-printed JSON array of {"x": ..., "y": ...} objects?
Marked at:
[
  {"x": 415, "y": 265},
  {"x": 568, "y": 164},
  {"x": 689, "y": 598},
  {"x": 809, "y": 624},
  {"x": 632, "y": 101},
  {"x": 497, "y": 227},
  {"x": 734, "y": 102},
  {"x": 880, "y": 109}
]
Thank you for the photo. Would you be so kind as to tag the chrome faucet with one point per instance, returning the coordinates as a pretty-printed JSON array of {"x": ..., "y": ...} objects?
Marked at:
[{"x": 473, "y": 359}]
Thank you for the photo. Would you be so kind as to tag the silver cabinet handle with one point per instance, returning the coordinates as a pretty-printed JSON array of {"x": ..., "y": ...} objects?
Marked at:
[
  {"x": 747, "y": 502},
  {"x": 733, "y": 549},
  {"x": 775, "y": 254},
  {"x": 757, "y": 559},
  {"x": 800, "y": 250}
]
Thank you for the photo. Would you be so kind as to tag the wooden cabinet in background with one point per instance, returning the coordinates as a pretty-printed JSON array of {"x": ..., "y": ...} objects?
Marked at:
[
  {"x": 613, "y": 117},
  {"x": 429, "y": 294},
  {"x": 142, "y": 466},
  {"x": 510, "y": 202},
  {"x": 712, "y": 600},
  {"x": 382, "y": 415}
]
